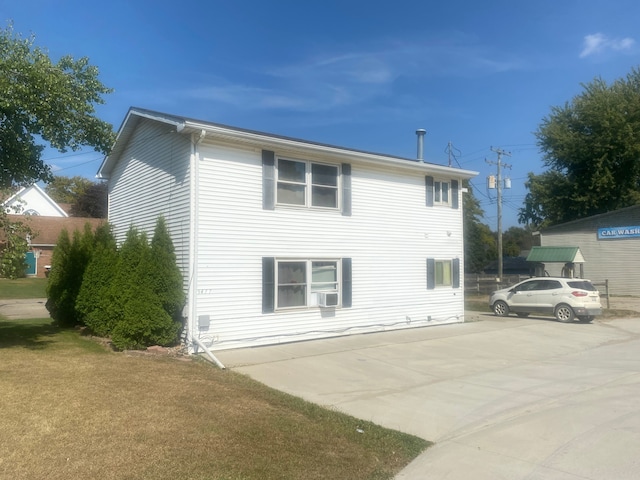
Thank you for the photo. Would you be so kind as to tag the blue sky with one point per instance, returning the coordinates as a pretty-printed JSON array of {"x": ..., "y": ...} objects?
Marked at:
[{"x": 356, "y": 74}]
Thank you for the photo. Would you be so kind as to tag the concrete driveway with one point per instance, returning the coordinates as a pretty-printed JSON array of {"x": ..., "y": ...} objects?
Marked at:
[{"x": 503, "y": 398}]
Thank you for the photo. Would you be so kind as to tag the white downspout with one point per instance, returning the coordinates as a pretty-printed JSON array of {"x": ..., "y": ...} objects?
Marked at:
[
  {"x": 193, "y": 249},
  {"x": 208, "y": 352}
]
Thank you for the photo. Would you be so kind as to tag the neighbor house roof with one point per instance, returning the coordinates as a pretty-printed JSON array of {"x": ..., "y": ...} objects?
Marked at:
[
  {"x": 46, "y": 230},
  {"x": 34, "y": 201},
  {"x": 555, "y": 255},
  {"x": 254, "y": 138}
]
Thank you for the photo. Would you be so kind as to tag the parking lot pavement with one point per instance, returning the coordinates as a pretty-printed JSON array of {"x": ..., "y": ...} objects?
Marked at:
[{"x": 503, "y": 398}]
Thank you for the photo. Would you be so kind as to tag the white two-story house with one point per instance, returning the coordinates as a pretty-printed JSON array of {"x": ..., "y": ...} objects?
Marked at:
[{"x": 281, "y": 239}]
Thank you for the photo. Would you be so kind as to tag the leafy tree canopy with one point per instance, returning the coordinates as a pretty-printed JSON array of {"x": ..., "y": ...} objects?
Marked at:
[
  {"x": 51, "y": 101},
  {"x": 591, "y": 146},
  {"x": 87, "y": 198},
  {"x": 67, "y": 189}
]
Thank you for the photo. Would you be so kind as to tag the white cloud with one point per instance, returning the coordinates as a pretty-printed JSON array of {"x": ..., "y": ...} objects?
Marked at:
[
  {"x": 598, "y": 43},
  {"x": 332, "y": 79}
]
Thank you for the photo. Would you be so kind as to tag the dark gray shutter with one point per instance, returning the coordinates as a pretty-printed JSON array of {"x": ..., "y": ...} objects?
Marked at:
[
  {"x": 428, "y": 183},
  {"x": 456, "y": 272},
  {"x": 431, "y": 273},
  {"x": 268, "y": 284},
  {"x": 454, "y": 194},
  {"x": 346, "y": 189},
  {"x": 347, "y": 291},
  {"x": 268, "y": 180}
]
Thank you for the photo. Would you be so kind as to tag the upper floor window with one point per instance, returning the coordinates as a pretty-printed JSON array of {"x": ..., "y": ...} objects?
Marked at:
[
  {"x": 307, "y": 184},
  {"x": 441, "y": 192}
]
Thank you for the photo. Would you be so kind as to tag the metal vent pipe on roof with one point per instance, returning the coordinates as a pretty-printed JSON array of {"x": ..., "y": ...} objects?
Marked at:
[{"x": 420, "y": 133}]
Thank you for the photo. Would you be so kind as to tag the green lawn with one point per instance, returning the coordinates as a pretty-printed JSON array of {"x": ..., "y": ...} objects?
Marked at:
[
  {"x": 73, "y": 409},
  {"x": 23, "y": 288}
]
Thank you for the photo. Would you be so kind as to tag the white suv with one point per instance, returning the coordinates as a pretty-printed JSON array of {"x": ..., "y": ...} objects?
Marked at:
[{"x": 564, "y": 298}]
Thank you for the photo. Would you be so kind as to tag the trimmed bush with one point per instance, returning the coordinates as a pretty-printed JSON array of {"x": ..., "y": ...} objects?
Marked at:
[
  {"x": 94, "y": 298},
  {"x": 165, "y": 276},
  {"x": 137, "y": 296},
  {"x": 144, "y": 323},
  {"x": 68, "y": 263},
  {"x": 133, "y": 294}
]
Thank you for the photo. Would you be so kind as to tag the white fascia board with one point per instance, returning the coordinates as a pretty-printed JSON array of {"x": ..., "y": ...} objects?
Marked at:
[
  {"x": 126, "y": 129},
  {"x": 260, "y": 140}
]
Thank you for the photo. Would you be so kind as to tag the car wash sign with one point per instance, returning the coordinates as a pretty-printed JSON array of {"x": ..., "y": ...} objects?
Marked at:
[{"x": 612, "y": 233}]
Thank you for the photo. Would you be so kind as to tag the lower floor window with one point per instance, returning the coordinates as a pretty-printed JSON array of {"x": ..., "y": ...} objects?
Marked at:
[
  {"x": 443, "y": 273},
  {"x": 299, "y": 282}
]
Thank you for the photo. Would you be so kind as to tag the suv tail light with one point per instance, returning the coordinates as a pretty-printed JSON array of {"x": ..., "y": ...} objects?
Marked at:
[{"x": 578, "y": 293}]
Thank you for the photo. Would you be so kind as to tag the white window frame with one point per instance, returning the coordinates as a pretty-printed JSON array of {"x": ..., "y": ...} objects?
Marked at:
[
  {"x": 442, "y": 263},
  {"x": 441, "y": 189},
  {"x": 309, "y": 185},
  {"x": 311, "y": 289}
]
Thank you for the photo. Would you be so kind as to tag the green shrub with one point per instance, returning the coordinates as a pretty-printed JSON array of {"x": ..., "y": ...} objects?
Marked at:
[
  {"x": 136, "y": 309},
  {"x": 165, "y": 276},
  {"x": 94, "y": 298},
  {"x": 144, "y": 323},
  {"x": 68, "y": 263}
]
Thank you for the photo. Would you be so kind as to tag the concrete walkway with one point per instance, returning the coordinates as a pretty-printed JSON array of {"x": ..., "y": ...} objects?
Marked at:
[
  {"x": 503, "y": 398},
  {"x": 24, "y": 308}
]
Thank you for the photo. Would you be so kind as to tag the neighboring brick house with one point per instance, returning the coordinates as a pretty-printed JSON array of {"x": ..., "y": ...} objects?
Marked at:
[
  {"x": 46, "y": 231},
  {"x": 46, "y": 219}
]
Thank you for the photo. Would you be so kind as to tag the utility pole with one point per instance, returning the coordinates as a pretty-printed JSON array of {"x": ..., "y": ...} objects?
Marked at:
[{"x": 499, "y": 164}]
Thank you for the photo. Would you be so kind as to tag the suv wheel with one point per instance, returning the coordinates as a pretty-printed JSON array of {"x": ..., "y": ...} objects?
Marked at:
[
  {"x": 564, "y": 313},
  {"x": 501, "y": 309}
]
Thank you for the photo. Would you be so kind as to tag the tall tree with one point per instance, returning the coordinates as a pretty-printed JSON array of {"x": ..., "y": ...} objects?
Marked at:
[
  {"x": 52, "y": 101},
  {"x": 87, "y": 198},
  {"x": 92, "y": 202},
  {"x": 516, "y": 240},
  {"x": 479, "y": 241},
  {"x": 591, "y": 147},
  {"x": 67, "y": 189}
]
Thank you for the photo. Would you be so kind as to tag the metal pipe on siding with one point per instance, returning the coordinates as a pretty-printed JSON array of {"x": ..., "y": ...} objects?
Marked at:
[
  {"x": 193, "y": 240},
  {"x": 421, "y": 133}
]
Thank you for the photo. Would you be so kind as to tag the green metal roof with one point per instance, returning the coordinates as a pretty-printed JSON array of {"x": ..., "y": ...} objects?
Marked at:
[{"x": 555, "y": 254}]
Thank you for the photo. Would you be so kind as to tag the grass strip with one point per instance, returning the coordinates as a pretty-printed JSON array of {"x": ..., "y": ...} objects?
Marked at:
[{"x": 72, "y": 409}]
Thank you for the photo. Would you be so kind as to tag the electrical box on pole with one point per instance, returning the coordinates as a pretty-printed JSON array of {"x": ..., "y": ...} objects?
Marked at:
[{"x": 498, "y": 181}]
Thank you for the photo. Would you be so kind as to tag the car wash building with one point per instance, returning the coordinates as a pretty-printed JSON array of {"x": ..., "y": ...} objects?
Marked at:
[{"x": 608, "y": 246}]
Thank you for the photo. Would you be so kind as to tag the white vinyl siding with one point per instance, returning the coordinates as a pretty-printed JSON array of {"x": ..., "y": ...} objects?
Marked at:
[
  {"x": 388, "y": 215},
  {"x": 365, "y": 237},
  {"x": 152, "y": 179}
]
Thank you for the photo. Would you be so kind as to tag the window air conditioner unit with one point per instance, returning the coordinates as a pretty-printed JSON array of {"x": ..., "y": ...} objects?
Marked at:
[{"x": 327, "y": 299}]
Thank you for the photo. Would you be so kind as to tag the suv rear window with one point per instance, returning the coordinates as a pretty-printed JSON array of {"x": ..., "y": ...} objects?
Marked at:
[{"x": 582, "y": 285}]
